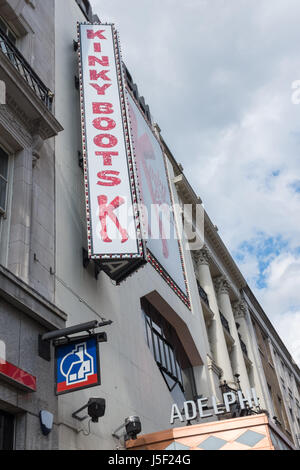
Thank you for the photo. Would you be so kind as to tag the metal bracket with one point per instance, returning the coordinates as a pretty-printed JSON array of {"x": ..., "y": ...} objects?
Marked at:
[
  {"x": 86, "y": 261},
  {"x": 44, "y": 349},
  {"x": 85, "y": 258},
  {"x": 62, "y": 336},
  {"x": 76, "y": 82},
  {"x": 80, "y": 159},
  {"x": 75, "y": 45}
]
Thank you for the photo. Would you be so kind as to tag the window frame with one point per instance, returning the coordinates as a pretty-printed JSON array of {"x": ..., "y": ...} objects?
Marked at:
[{"x": 171, "y": 359}]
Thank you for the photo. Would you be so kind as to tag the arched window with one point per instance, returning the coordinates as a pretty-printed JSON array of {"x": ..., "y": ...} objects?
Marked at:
[{"x": 169, "y": 355}]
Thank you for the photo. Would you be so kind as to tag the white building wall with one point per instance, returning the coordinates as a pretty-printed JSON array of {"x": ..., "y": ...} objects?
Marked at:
[{"x": 131, "y": 381}]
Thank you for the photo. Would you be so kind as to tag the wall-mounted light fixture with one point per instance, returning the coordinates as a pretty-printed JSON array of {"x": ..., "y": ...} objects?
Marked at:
[
  {"x": 46, "y": 421},
  {"x": 132, "y": 426}
]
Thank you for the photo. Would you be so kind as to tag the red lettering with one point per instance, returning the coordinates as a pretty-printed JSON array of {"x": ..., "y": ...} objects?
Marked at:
[
  {"x": 93, "y": 34},
  {"x": 94, "y": 75},
  {"x": 98, "y": 140},
  {"x": 97, "y": 47},
  {"x": 104, "y": 61},
  {"x": 109, "y": 180},
  {"x": 98, "y": 123},
  {"x": 100, "y": 89},
  {"x": 107, "y": 210},
  {"x": 107, "y": 160},
  {"x": 102, "y": 108}
]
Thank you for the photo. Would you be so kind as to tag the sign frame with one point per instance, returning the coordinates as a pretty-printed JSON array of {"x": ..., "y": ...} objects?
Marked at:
[
  {"x": 185, "y": 297},
  {"x": 116, "y": 265},
  {"x": 71, "y": 342}
]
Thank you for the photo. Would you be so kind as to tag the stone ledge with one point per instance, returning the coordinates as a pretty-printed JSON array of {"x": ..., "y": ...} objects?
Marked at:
[
  {"x": 26, "y": 103},
  {"x": 28, "y": 301}
]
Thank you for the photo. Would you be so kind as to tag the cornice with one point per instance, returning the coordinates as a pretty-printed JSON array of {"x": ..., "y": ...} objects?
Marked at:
[
  {"x": 12, "y": 125},
  {"x": 29, "y": 301},
  {"x": 221, "y": 254},
  {"x": 185, "y": 190}
]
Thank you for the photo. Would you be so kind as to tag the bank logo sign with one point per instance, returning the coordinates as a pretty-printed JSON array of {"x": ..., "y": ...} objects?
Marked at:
[
  {"x": 113, "y": 226},
  {"x": 77, "y": 365}
]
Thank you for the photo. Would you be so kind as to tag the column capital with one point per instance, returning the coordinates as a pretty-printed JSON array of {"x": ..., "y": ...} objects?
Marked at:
[
  {"x": 222, "y": 285},
  {"x": 202, "y": 256},
  {"x": 240, "y": 308}
]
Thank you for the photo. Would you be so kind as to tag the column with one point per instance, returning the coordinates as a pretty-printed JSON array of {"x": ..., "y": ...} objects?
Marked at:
[
  {"x": 237, "y": 359},
  {"x": 19, "y": 242},
  {"x": 217, "y": 339},
  {"x": 242, "y": 316}
]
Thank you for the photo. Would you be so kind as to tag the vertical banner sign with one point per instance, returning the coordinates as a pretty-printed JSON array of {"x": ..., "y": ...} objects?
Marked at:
[
  {"x": 163, "y": 247},
  {"x": 77, "y": 365},
  {"x": 113, "y": 225}
]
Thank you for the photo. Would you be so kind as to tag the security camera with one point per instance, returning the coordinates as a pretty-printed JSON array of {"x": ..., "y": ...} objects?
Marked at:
[
  {"x": 96, "y": 408},
  {"x": 133, "y": 426}
]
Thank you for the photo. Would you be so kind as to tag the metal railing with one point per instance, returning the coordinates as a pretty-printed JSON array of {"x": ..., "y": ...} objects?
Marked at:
[
  {"x": 25, "y": 70},
  {"x": 244, "y": 347},
  {"x": 165, "y": 357},
  {"x": 224, "y": 322},
  {"x": 203, "y": 294}
]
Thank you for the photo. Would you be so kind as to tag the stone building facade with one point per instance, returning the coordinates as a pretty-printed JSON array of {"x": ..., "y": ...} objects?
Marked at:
[
  {"x": 214, "y": 345},
  {"x": 27, "y": 221}
]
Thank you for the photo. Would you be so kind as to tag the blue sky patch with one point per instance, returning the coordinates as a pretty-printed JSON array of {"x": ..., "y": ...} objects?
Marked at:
[
  {"x": 264, "y": 249},
  {"x": 296, "y": 186}
]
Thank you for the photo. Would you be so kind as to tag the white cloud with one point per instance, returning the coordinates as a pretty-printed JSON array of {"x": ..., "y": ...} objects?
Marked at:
[
  {"x": 281, "y": 299},
  {"x": 217, "y": 75}
]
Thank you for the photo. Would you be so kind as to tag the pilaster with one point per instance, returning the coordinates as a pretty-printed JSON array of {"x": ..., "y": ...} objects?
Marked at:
[
  {"x": 237, "y": 359},
  {"x": 215, "y": 332}
]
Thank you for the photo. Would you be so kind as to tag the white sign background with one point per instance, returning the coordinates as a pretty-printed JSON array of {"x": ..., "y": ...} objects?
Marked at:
[
  {"x": 95, "y": 163},
  {"x": 154, "y": 189}
]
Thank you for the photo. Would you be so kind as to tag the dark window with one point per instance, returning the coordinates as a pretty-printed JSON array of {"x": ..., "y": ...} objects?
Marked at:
[
  {"x": 202, "y": 293},
  {"x": 3, "y": 180},
  {"x": 169, "y": 355},
  {"x": 6, "y": 431}
]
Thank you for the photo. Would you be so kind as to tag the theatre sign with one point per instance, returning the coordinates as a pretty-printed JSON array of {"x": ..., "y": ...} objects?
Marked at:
[
  {"x": 129, "y": 207},
  {"x": 112, "y": 210},
  {"x": 206, "y": 408}
]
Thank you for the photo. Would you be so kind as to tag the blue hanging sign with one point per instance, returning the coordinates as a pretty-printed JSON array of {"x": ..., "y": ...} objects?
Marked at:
[{"x": 77, "y": 365}]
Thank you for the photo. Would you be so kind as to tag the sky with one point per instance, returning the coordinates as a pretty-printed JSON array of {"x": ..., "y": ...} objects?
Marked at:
[{"x": 222, "y": 79}]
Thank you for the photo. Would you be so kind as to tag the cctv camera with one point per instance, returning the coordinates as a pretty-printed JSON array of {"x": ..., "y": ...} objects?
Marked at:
[
  {"x": 96, "y": 408},
  {"x": 133, "y": 426}
]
